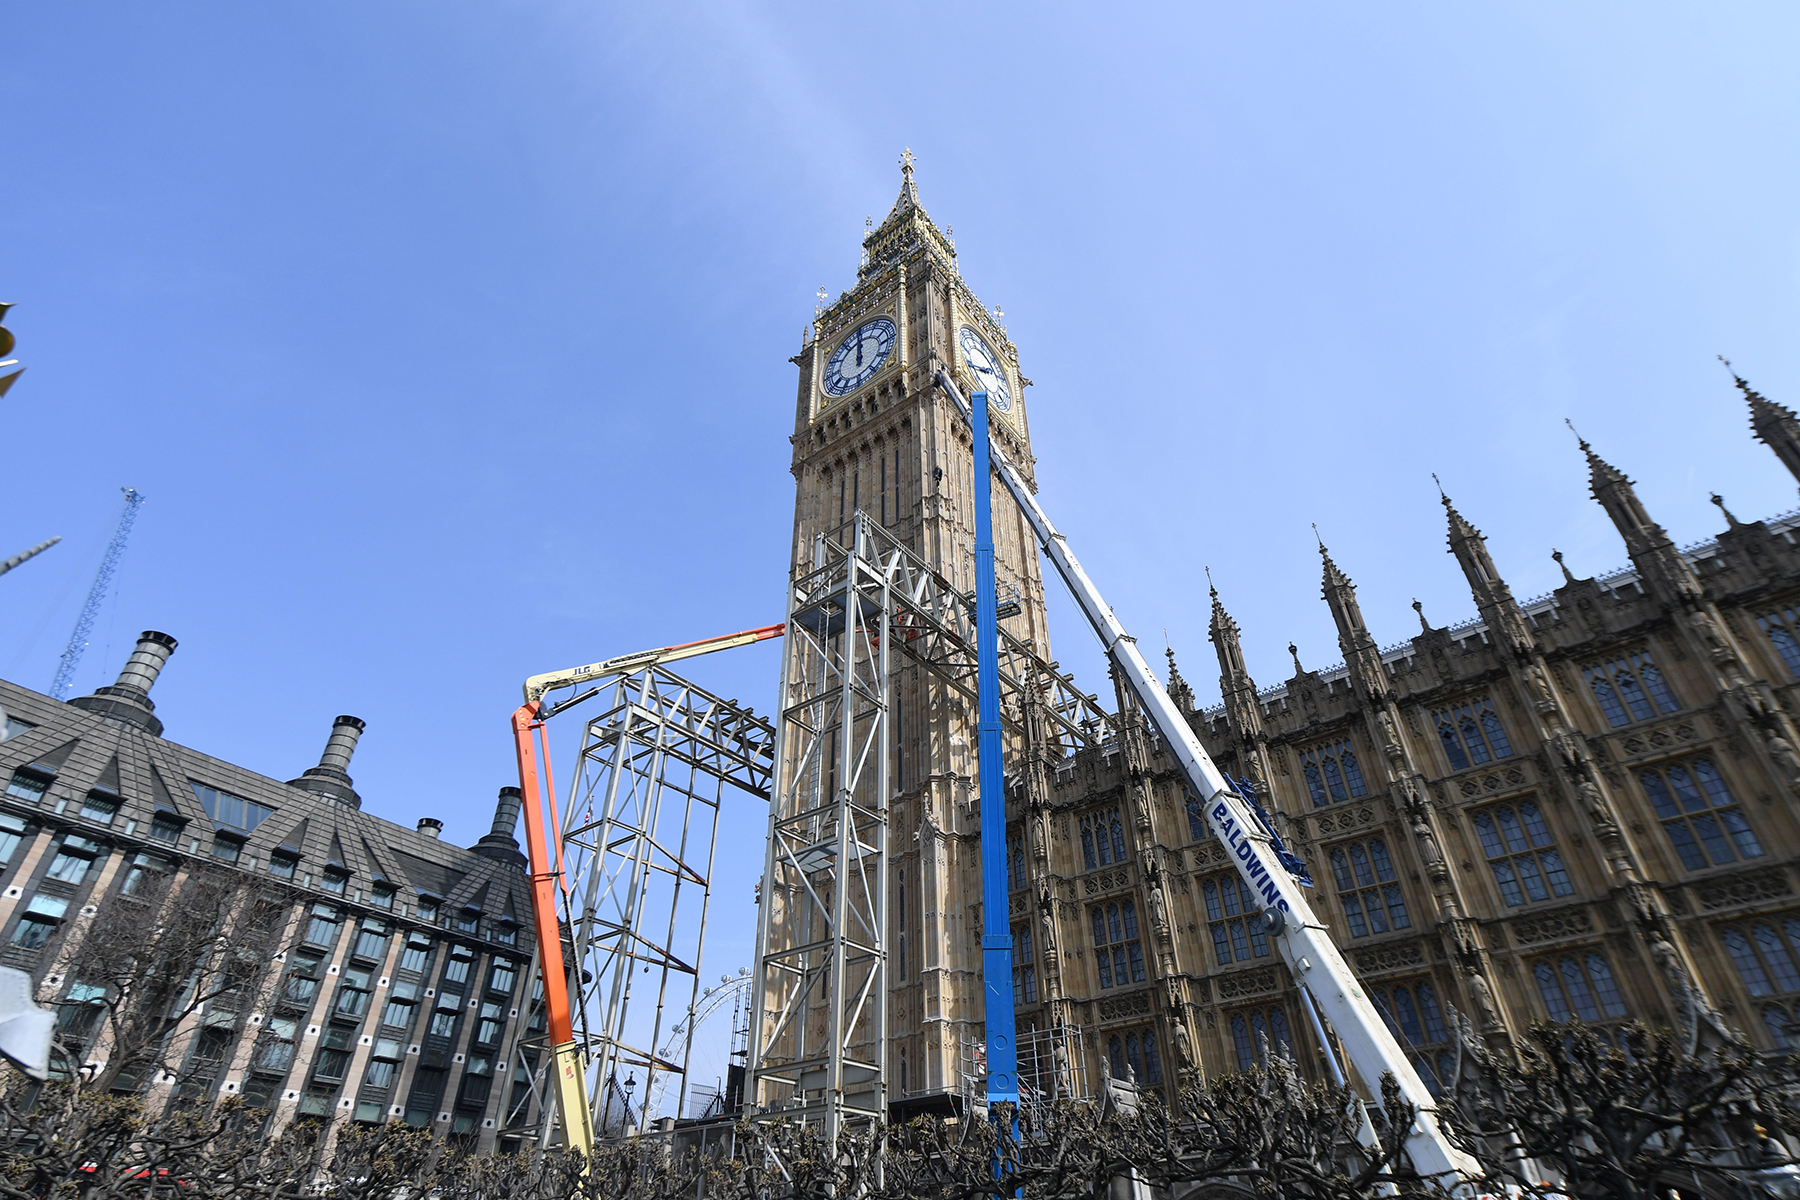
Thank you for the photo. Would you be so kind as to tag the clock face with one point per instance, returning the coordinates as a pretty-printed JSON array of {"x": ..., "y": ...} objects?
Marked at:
[
  {"x": 859, "y": 356},
  {"x": 985, "y": 364}
]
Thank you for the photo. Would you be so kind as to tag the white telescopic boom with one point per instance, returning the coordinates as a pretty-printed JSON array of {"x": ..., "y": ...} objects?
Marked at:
[{"x": 1305, "y": 944}]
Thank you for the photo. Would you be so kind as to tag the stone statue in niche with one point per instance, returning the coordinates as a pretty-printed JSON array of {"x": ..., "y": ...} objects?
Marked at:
[
  {"x": 1482, "y": 996},
  {"x": 1184, "y": 1047},
  {"x": 1159, "y": 912},
  {"x": 1782, "y": 751},
  {"x": 1428, "y": 847}
]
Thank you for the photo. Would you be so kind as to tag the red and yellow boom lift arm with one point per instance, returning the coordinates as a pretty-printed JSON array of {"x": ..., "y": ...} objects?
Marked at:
[{"x": 543, "y": 842}]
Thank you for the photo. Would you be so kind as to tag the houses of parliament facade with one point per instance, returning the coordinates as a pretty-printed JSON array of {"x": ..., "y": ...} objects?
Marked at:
[{"x": 1586, "y": 806}]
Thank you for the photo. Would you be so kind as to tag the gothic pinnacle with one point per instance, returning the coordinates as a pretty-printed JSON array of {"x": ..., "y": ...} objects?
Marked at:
[
  {"x": 1730, "y": 520},
  {"x": 1568, "y": 575},
  {"x": 1295, "y": 651},
  {"x": 1420, "y": 609}
]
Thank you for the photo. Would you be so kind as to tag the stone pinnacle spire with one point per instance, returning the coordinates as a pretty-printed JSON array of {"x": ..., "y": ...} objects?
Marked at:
[{"x": 1774, "y": 425}]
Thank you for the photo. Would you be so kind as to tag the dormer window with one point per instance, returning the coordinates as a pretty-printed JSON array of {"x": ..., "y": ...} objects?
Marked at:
[
  {"x": 282, "y": 865},
  {"x": 166, "y": 827},
  {"x": 100, "y": 806},
  {"x": 333, "y": 881},
  {"x": 382, "y": 896},
  {"x": 428, "y": 908},
  {"x": 227, "y": 848},
  {"x": 468, "y": 920},
  {"x": 229, "y": 811}
]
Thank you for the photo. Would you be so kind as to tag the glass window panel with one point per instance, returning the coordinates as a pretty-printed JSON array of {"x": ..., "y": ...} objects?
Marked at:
[
  {"x": 1452, "y": 746},
  {"x": 1396, "y": 906},
  {"x": 1609, "y": 700},
  {"x": 1114, "y": 929},
  {"x": 1496, "y": 733},
  {"x": 1551, "y": 991},
  {"x": 1576, "y": 987},
  {"x": 1744, "y": 959},
  {"x": 1240, "y": 1042},
  {"x": 1554, "y": 872},
  {"x": 1334, "y": 783},
  {"x": 1353, "y": 915},
  {"x": 1129, "y": 910},
  {"x": 1221, "y": 944},
  {"x": 1775, "y": 957},
  {"x": 1510, "y": 891},
  {"x": 1428, "y": 1009},
  {"x": 1239, "y": 942},
  {"x": 1509, "y": 828},
  {"x": 1659, "y": 794},
  {"x": 1278, "y": 1030},
  {"x": 1352, "y": 772},
  {"x": 1259, "y": 943},
  {"x": 1259, "y": 1034},
  {"x": 1478, "y": 751},
  {"x": 1491, "y": 844},
  {"x": 1633, "y": 694},
  {"x": 1211, "y": 892},
  {"x": 1659, "y": 687},
  {"x": 1535, "y": 826},
  {"x": 1685, "y": 789},
  {"x": 1118, "y": 839},
  {"x": 1779, "y": 1027},
  {"x": 1359, "y": 861},
  {"x": 1714, "y": 838},
  {"x": 1741, "y": 836},
  {"x": 1087, "y": 847},
  {"x": 1384, "y": 867},
  {"x": 1098, "y": 916},
  {"x": 1372, "y": 909},
  {"x": 1407, "y": 1016},
  {"x": 1315, "y": 785},
  {"x": 1529, "y": 876},
  {"x": 1691, "y": 856}
]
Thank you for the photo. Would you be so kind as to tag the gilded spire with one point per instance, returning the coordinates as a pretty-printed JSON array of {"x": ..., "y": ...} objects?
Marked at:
[{"x": 909, "y": 191}]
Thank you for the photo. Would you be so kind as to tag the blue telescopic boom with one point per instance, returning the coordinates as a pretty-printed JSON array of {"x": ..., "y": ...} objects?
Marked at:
[{"x": 996, "y": 934}]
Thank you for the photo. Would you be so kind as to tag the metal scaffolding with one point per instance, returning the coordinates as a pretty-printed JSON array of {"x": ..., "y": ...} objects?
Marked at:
[
  {"x": 819, "y": 1005},
  {"x": 633, "y": 839}
]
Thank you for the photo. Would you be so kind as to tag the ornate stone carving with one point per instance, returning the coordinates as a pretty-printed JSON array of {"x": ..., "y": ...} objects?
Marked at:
[
  {"x": 1743, "y": 889},
  {"x": 1568, "y": 922},
  {"x": 1247, "y": 983},
  {"x": 1114, "y": 1008},
  {"x": 1389, "y": 958}
]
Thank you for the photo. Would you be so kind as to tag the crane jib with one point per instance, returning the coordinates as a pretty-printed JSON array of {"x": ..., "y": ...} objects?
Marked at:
[{"x": 1245, "y": 850}]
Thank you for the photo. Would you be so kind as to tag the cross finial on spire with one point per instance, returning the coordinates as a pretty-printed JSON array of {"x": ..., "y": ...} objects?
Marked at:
[
  {"x": 1578, "y": 438},
  {"x": 1210, "y": 585},
  {"x": 906, "y": 161},
  {"x": 1317, "y": 538},
  {"x": 1440, "y": 487},
  {"x": 1729, "y": 519}
]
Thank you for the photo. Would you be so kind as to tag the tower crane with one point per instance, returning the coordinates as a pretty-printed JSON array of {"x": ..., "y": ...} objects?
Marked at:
[
  {"x": 1306, "y": 946},
  {"x": 90, "y": 611},
  {"x": 25, "y": 555}
]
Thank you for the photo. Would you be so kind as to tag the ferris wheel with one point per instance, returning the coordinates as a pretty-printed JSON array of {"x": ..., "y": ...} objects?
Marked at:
[{"x": 732, "y": 989}]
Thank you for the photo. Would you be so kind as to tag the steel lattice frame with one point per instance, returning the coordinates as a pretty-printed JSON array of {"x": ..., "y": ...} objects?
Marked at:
[
  {"x": 639, "y": 827},
  {"x": 819, "y": 1007}
]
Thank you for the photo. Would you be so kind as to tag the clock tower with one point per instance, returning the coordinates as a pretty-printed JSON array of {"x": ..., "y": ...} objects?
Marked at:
[{"x": 873, "y": 433}]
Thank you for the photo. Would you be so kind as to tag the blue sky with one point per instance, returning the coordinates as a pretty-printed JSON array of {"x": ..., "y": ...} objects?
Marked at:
[{"x": 449, "y": 341}]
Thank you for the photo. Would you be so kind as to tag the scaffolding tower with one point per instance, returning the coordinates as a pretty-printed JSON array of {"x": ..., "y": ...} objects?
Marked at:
[
  {"x": 818, "y": 1025},
  {"x": 631, "y": 842}
]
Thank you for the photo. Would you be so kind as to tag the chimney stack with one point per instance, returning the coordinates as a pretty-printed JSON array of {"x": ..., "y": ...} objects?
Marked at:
[
  {"x": 341, "y": 744},
  {"x": 128, "y": 700},
  {"x": 430, "y": 827},
  {"x": 330, "y": 779},
  {"x": 146, "y": 662},
  {"x": 499, "y": 843}
]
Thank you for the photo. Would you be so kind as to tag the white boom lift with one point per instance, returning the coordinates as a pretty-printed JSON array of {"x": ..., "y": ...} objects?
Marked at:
[{"x": 1305, "y": 945}]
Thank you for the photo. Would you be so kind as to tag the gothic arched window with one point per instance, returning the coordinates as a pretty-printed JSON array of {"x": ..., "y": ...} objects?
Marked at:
[
  {"x": 1707, "y": 823},
  {"x": 1332, "y": 773}
]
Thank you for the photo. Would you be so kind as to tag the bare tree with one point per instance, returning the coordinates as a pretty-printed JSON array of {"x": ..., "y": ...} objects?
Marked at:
[{"x": 1627, "y": 1116}]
